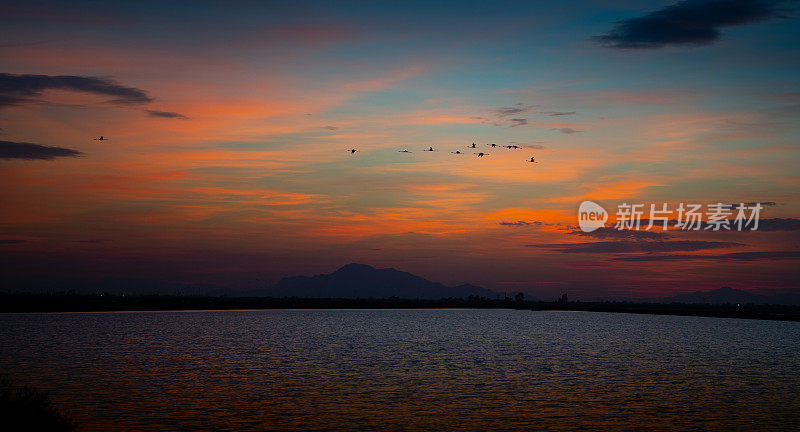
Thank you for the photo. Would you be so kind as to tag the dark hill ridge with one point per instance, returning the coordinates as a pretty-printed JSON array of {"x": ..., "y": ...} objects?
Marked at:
[
  {"x": 731, "y": 295},
  {"x": 719, "y": 296},
  {"x": 363, "y": 281}
]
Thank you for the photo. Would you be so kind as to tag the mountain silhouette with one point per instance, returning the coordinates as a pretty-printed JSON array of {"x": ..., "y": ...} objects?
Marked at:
[{"x": 363, "y": 281}]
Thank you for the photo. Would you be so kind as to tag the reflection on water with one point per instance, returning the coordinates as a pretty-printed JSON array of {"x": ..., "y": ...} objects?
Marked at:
[{"x": 408, "y": 370}]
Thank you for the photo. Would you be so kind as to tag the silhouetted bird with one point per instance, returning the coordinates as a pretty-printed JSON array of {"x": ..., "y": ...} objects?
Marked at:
[
  {"x": 456, "y": 152},
  {"x": 100, "y": 139},
  {"x": 481, "y": 154},
  {"x": 429, "y": 149},
  {"x": 473, "y": 145},
  {"x": 492, "y": 144},
  {"x": 533, "y": 160},
  {"x": 404, "y": 151},
  {"x": 352, "y": 151}
]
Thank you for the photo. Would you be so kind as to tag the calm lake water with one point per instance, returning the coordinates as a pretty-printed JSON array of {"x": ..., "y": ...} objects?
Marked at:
[{"x": 408, "y": 370}]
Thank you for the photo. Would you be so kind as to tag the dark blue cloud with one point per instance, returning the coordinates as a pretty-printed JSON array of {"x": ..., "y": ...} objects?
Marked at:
[
  {"x": 519, "y": 108},
  {"x": 23, "y": 150},
  {"x": 734, "y": 256},
  {"x": 166, "y": 114},
  {"x": 566, "y": 130},
  {"x": 635, "y": 246},
  {"x": 17, "y": 89},
  {"x": 779, "y": 224},
  {"x": 608, "y": 232},
  {"x": 690, "y": 22},
  {"x": 521, "y": 223}
]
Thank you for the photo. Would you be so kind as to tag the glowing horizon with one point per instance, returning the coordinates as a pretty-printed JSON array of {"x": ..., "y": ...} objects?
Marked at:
[{"x": 226, "y": 134}]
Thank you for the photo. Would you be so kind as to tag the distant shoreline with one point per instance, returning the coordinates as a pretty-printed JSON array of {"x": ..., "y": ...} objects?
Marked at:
[{"x": 43, "y": 303}]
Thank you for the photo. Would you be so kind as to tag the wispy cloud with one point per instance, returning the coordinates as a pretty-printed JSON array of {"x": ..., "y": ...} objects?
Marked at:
[
  {"x": 535, "y": 146},
  {"x": 24, "y": 150},
  {"x": 11, "y": 241},
  {"x": 690, "y": 22},
  {"x": 519, "y": 108},
  {"x": 166, "y": 114},
  {"x": 518, "y": 122},
  {"x": 566, "y": 130}
]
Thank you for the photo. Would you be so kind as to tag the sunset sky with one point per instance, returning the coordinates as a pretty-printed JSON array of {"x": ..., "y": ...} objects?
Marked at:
[{"x": 226, "y": 127}]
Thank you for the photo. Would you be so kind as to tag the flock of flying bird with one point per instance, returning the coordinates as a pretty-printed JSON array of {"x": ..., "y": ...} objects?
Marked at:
[
  {"x": 429, "y": 149},
  {"x": 473, "y": 146}
]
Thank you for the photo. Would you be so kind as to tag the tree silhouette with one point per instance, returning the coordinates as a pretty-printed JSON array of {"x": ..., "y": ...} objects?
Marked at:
[{"x": 26, "y": 408}]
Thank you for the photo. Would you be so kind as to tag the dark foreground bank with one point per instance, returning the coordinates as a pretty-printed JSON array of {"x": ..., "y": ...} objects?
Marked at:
[{"x": 101, "y": 303}]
